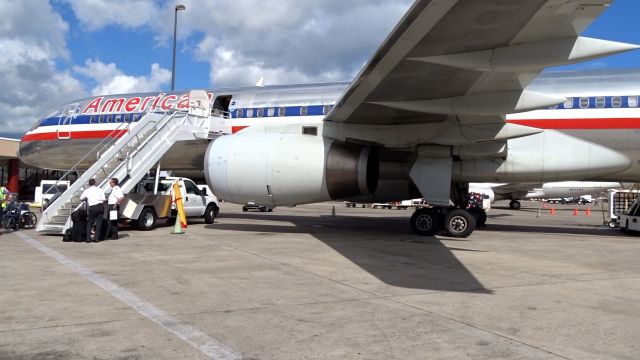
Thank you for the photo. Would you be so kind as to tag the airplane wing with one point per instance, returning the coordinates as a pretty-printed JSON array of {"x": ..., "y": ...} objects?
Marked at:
[{"x": 470, "y": 60}]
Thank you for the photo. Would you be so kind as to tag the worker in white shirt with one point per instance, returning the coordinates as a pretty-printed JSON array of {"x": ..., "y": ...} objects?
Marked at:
[
  {"x": 115, "y": 198},
  {"x": 95, "y": 201}
]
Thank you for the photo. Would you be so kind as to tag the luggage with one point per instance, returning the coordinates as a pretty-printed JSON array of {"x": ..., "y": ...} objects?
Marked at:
[{"x": 79, "y": 225}]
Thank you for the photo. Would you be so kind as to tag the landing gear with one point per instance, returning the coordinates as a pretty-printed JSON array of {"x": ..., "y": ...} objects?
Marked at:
[
  {"x": 453, "y": 222},
  {"x": 425, "y": 221},
  {"x": 459, "y": 223},
  {"x": 514, "y": 205},
  {"x": 480, "y": 215}
]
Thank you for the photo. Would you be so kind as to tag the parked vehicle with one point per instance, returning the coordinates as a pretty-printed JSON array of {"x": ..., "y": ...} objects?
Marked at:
[
  {"x": 147, "y": 204},
  {"x": 253, "y": 206},
  {"x": 630, "y": 218}
]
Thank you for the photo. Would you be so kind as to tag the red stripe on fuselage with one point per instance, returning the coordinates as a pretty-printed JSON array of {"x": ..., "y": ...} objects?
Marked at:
[
  {"x": 235, "y": 129},
  {"x": 580, "y": 124},
  {"x": 97, "y": 134}
]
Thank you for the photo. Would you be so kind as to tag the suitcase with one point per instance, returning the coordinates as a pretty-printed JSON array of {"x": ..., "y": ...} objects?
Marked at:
[{"x": 79, "y": 225}]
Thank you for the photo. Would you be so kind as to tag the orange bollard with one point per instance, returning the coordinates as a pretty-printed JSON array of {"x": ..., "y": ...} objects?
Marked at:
[
  {"x": 575, "y": 211},
  {"x": 588, "y": 212},
  {"x": 553, "y": 211}
]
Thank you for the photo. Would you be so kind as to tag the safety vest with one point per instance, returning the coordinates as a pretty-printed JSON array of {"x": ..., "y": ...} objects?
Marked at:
[{"x": 2, "y": 196}]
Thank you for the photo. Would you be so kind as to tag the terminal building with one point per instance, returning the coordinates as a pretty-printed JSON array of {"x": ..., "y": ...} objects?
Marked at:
[{"x": 16, "y": 176}]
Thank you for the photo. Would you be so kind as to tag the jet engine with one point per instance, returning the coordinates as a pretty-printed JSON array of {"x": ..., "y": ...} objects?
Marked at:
[{"x": 288, "y": 169}]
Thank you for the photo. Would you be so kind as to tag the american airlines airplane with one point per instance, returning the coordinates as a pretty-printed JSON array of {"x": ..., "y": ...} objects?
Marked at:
[{"x": 425, "y": 116}]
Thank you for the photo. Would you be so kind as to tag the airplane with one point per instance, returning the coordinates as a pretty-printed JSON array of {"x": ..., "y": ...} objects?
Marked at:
[
  {"x": 550, "y": 190},
  {"x": 448, "y": 98}
]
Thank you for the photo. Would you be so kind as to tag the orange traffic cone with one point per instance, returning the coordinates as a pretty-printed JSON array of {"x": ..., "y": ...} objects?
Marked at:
[
  {"x": 588, "y": 212},
  {"x": 553, "y": 211},
  {"x": 575, "y": 211}
]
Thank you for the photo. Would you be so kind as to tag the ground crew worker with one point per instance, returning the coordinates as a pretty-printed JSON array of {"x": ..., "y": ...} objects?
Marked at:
[
  {"x": 4, "y": 196},
  {"x": 115, "y": 198},
  {"x": 95, "y": 200}
]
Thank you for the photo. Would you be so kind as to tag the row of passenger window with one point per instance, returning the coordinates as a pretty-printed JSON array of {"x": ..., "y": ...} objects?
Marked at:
[
  {"x": 281, "y": 111},
  {"x": 113, "y": 118},
  {"x": 599, "y": 102}
]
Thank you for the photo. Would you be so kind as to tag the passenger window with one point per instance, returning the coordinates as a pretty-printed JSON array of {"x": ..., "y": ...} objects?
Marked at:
[
  {"x": 260, "y": 112},
  {"x": 281, "y": 111},
  {"x": 91, "y": 119},
  {"x": 126, "y": 118},
  {"x": 100, "y": 119},
  {"x": 191, "y": 188},
  {"x": 249, "y": 113},
  {"x": 135, "y": 118},
  {"x": 239, "y": 113},
  {"x": 310, "y": 130},
  {"x": 600, "y": 102},
  {"x": 632, "y": 101},
  {"x": 303, "y": 110},
  {"x": 271, "y": 112},
  {"x": 326, "y": 109},
  {"x": 584, "y": 102},
  {"x": 118, "y": 118},
  {"x": 568, "y": 104},
  {"x": 616, "y": 101}
]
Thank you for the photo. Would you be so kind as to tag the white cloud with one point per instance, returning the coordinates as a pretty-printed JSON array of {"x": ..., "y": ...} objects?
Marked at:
[
  {"x": 111, "y": 80},
  {"x": 32, "y": 38},
  {"x": 97, "y": 14},
  {"x": 283, "y": 40}
]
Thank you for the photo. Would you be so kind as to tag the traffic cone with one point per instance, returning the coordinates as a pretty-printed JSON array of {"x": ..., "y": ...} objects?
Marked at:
[
  {"x": 544, "y": 205},
  {"x": 177, "y": 228},
  {"x": 575, "y": 211},
  {"x": 333, "y": 211},
  {"x": 588, "y": 212},
  {"x": 553, "y": 211}
]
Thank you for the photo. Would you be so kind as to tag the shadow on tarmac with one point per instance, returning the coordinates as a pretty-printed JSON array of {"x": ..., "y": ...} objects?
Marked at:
[{"x": 385, "y": 248}]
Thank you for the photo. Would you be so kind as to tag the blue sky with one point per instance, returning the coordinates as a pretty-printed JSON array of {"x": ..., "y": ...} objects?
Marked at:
[{"x": 58, "y": 50}]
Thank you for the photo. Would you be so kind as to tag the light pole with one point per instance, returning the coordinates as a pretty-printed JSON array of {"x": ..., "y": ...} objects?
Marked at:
[{"x": 175, "y": 25}]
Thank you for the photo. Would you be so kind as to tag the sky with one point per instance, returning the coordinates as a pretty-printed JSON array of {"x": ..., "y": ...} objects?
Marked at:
[{"x": 55, "y": 51}]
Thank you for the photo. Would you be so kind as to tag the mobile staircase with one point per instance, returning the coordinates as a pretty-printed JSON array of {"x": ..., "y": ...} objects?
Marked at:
[{"x": 129, "y": 152}]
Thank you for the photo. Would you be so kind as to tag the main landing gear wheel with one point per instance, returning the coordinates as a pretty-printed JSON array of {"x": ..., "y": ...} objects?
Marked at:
[
  {"x": 425, "y": 222},
  {"x": 514, "y": 204},
  {"x": 459, "y": 223},
  {"x": 480, "y": 215}
]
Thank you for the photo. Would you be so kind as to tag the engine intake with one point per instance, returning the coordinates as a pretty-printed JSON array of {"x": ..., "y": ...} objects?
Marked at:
[{"x": 288, "y": 169}]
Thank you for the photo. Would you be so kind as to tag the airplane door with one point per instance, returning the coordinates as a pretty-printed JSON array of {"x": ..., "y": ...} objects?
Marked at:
[{"x": 66, "y": 118}]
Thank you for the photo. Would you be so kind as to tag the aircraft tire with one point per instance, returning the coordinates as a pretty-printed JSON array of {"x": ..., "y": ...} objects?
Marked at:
[
  {"x": 425, "y": 222},
  {"x": 459, "y": 223},
  {"x": 515, "y": 205},
  {"x": 480, "y": 215}
]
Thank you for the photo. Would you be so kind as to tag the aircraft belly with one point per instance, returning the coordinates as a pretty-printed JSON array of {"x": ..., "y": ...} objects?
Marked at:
[{"x": 183, "y": 155}]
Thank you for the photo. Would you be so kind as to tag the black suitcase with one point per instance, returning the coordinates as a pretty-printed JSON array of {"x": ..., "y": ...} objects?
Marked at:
[{"x": 79, "y": 225}]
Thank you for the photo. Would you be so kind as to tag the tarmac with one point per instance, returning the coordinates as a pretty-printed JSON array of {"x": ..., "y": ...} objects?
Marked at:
[{"x": 298, "y": 283}]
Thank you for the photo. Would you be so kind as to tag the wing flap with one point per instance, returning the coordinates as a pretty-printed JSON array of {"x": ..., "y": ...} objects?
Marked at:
[{"x": 467, "y": 31}]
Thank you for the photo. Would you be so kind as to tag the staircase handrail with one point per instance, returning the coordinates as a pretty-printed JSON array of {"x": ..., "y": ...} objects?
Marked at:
[
  {"x": 108, "y": 140},
  {"x": 104, "y": 158}
]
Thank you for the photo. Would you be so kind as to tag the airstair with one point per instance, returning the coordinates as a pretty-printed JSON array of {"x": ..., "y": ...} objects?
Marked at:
[{"x": 131, "y": 151}]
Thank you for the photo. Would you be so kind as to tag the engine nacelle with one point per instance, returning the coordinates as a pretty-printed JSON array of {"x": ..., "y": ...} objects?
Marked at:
[{"x": 288, "y": 169}]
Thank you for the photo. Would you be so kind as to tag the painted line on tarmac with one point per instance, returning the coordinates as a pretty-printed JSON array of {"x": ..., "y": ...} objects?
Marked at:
[{"x": 207, "y": 345}]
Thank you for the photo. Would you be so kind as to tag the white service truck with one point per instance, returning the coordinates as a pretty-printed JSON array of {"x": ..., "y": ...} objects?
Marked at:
[
  {"x": 48, "y": 189},
  {"x": 153, "y": 201},
  {"x": 630, "y": 218}
]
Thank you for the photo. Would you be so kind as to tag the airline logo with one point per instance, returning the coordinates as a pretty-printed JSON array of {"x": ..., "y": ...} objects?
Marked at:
[{"x": 136, "y": 104}]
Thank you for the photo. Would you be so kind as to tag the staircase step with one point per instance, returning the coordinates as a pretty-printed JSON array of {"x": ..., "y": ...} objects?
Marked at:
[{"x": 57, "y": 219}]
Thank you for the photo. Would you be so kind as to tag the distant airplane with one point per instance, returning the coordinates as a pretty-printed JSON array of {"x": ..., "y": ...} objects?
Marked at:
[
  {"x": 424, "y": 117},
  {"x": 551, "y": 190}
]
